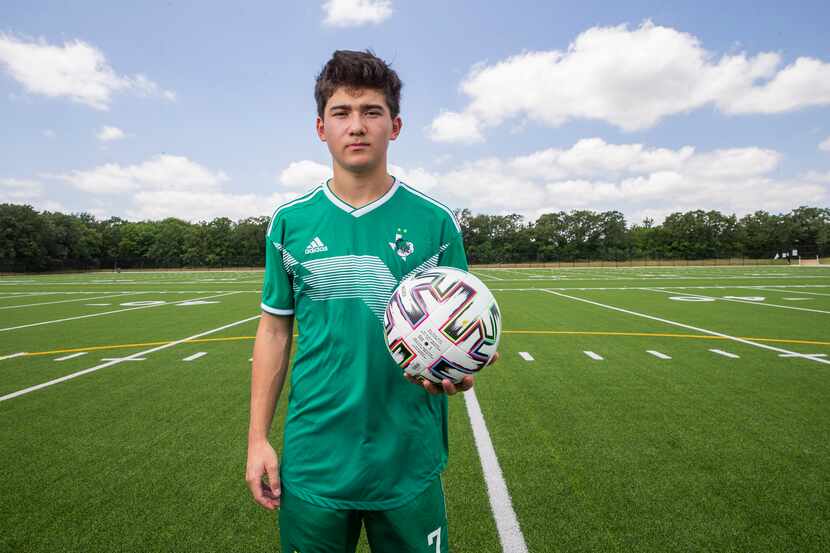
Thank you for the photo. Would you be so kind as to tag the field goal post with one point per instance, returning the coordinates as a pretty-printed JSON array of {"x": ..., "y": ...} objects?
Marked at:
[
  {"x": 808, "y": 260},
  {"x": 807, "y": 254}
]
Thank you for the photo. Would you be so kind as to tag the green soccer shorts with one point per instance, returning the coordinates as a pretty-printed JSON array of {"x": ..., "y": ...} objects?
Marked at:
[{"x": 419, "y": 526}]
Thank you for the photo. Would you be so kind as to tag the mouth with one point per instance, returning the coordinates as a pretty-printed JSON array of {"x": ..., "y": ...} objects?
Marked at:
[{"x": 358, "y": 146}]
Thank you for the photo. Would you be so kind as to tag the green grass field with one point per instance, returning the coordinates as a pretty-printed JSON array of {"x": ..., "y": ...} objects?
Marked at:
[{"x": 698, "y": 419}]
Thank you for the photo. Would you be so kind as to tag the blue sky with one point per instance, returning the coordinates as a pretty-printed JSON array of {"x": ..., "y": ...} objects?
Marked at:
[{"x": 200, "y": 109}]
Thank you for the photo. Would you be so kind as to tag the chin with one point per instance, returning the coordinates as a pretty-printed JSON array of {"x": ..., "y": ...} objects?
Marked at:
[{"x": 359, "y": 167}]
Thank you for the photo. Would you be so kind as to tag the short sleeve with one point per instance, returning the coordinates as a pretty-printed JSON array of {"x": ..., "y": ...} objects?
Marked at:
[
  {"x": 453, "y": 255},
  {"x": 277, "y": 290}
]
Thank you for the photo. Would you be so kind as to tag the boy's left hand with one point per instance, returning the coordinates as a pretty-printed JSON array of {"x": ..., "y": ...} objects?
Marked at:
[{"x": 447, "y": 387}]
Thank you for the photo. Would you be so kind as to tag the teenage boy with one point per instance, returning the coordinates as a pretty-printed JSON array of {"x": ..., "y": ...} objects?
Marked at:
[{"x": 361, "y": 445}]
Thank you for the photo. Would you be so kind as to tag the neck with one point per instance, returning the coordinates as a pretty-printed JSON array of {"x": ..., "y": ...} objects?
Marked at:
[{"x": 359, "y": 189}]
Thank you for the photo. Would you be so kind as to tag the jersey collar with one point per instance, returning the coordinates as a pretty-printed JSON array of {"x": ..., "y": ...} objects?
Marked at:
[{"x": 357, "y": 212}]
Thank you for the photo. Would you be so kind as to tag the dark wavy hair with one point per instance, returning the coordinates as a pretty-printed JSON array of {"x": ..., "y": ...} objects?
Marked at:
[{"x": 354, "y": 70}]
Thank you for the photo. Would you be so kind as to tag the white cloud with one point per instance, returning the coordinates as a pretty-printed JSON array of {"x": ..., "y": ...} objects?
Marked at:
[
  {"x": 352, "y": 13},
  {"x": 455, "y": 127},
  {"x": 192, "y": 205},
  {"x": 49, "y": 133},
  {"x": 304, "y": 174},
  {"x": 631, "y": 79},
  {"x": 734, "y": 162},
  {"x": 108, "y": 134},
  {"x": 817, "y": 176},
  {"x": 76, "y": 70},
  {"x": 593, "y": 156},
  {"x": 19, "y": 188},
  {"x": 824, "y": 146},
  {"x": 25, "y": 191},
  {"x": 163, "y": 172},
  {"x": 168, "y": 186},
  {"x": 632, "y": 178},
  {"x": 425, "y": 179}
]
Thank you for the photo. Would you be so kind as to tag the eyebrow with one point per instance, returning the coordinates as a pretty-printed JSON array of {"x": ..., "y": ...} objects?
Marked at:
[{"x": 363, "y": 107}]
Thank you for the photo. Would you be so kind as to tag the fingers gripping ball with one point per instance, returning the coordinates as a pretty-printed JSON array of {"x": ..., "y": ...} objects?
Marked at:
[{"x": 442, "y": 323}]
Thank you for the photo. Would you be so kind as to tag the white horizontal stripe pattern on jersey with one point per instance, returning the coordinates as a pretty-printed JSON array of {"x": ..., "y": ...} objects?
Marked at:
[{"x": 363, "y": 277}]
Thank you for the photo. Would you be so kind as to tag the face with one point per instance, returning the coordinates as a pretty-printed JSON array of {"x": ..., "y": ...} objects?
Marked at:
[{"x": 357, "y": 127}]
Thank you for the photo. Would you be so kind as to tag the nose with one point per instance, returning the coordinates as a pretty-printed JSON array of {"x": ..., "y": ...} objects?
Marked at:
[{"x": 356, "y": 126}]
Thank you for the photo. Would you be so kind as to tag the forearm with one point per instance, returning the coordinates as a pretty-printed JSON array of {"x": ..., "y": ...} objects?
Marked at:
[{"x": 272, "y": 350}]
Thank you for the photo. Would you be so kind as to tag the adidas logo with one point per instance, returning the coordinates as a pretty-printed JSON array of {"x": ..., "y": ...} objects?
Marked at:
[{"x": 316, "y": 246}]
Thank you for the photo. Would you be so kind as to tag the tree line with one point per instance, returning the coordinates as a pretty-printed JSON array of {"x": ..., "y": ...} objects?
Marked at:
[
  {"x": 44, "y": 241},
  {"x": 590, "y": 235}
]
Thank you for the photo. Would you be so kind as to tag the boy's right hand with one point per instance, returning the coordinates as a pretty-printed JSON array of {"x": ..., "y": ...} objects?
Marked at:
[{"x": 262, "y": 460}]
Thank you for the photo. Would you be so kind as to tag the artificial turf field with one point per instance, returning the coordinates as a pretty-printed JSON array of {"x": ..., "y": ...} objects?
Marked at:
[{"x": 665, "y": 409}]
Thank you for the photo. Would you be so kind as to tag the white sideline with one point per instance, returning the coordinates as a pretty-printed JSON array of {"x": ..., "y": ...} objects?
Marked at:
[
  {"x": 789, "y": 291},
  {"x": 510, "y": 534},
  {"x": 132, "y": 357},
  {"x": 735, "y": 300},
  {"x": 109, "y": 312},
  {"x": 681, "y": 325},
  {"x": 69, "y": 301}
]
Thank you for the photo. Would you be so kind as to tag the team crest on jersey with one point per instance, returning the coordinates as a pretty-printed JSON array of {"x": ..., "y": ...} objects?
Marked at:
[{"x": 401, "y": 246}]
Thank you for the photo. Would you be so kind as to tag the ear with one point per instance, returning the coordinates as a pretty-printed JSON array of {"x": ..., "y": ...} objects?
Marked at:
[
  {"x": 321, "y": 129},
  {"x": 397, "y": 125}
]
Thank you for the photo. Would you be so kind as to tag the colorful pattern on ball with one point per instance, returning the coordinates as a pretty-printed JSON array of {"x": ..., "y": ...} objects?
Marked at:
[{"x": 442, "y": 323}]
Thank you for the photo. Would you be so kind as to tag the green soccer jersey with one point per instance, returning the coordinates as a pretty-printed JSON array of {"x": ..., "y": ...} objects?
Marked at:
[{"x": 357, "y": 434}]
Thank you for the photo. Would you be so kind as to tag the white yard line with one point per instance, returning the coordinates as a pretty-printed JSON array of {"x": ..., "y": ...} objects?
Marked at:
[
  {"x": 73, "y": 356},
  {"x": 109, "y": 312},
  {"x": 10, "y": 295},
  {"x": 128, "y": 358},
  {"x": 658, "y": 355},
  {"x": 594, "y": 356},
  {"x": 788, "y": 291},
  {"x": 487, "y": 274},
  {"x": 13, "y": 355},
  {"x": 735, "y": 300},
  {"x": 681, "y": 325},
  {"x": 195, "y": 356},
  {"x": 725, "y": 353},
  {"x": 118, "y": 295},
  {"x": 507, "y": 524},
  {"x": 526, "y": 356},
  {"x": 514, "y": 289},
  {"x": 513, "y": 271}
]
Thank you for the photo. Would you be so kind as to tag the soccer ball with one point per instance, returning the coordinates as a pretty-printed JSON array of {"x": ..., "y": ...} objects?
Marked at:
[{"x": 442, "y": 323}]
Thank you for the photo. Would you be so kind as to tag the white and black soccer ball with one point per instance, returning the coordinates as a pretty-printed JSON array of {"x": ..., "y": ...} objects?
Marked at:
[{"x": 442, "y": 323}]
